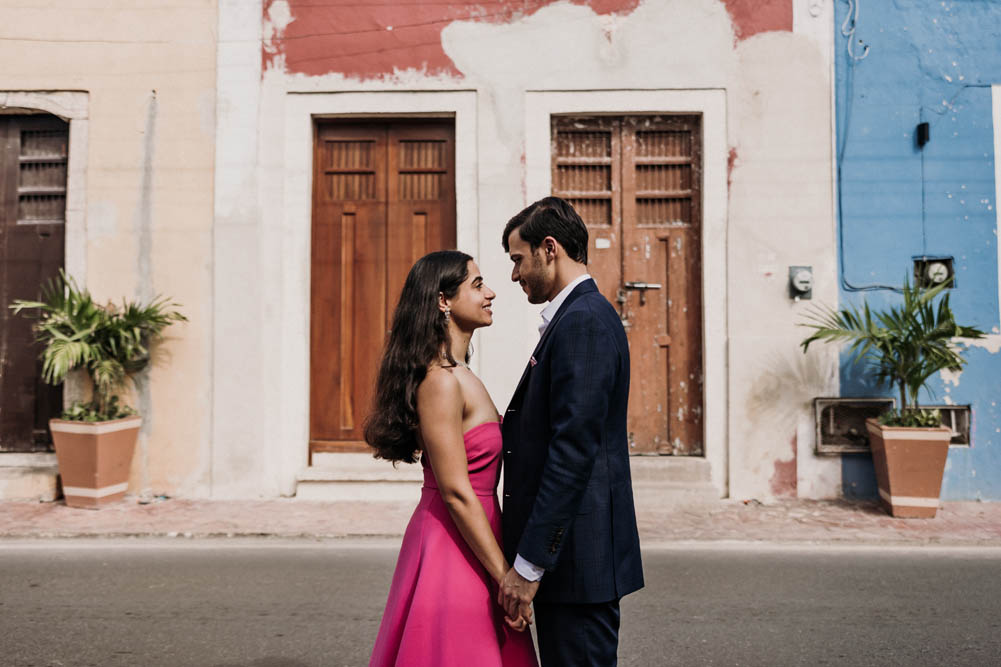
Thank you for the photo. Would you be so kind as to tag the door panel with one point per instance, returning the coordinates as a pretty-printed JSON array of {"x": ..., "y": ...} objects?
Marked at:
[
  {"x": 383, "y": 196},
  {"x": 587, "y": 173},
  {"x": 33, "y": 163},
  {"x": 421, "y": 196},
  {"x": 661, "y": 246},
  {"x": 651, "y": 265}
]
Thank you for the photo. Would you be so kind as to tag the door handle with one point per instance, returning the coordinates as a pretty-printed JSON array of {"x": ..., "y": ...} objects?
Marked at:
[{"x": 642, "y": 287}]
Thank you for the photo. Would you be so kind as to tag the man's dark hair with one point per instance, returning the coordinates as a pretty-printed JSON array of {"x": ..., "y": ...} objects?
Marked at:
[{"x": 554, "y": 217}]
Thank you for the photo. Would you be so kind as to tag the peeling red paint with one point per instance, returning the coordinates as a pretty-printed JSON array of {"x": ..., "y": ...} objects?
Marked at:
[
  {"x": 731, "y": 160},
  {"x": 753, "y": 16},
  {"x": 783, "y": 481},
  {"x": 370, "y": 40}
]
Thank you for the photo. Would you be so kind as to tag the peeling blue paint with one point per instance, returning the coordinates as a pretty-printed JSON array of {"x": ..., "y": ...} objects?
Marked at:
[{"x": 933, "y": 62}]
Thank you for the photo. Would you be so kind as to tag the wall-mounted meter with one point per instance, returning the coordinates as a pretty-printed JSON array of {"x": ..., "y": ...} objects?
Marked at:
[
  {"x": 937, "y": 272},
  {"x": 800, "y": 282},
  {"x": 933, "y": 271}
]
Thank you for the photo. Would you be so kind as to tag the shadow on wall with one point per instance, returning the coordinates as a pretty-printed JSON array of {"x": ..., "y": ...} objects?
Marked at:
[
  {"x": 787, "y": 383},
  {"x": 858, "y": 476},
  {"x": 782, "y": 394}
]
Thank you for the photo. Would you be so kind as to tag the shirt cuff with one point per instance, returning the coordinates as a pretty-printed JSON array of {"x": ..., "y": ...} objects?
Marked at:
[{"x": 528, "y": 570}]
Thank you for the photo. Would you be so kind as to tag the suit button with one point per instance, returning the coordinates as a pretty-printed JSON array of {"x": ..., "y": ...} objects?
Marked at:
[
  {"x": 507, "y": 495},
  {"x": 507, "y": 451}
]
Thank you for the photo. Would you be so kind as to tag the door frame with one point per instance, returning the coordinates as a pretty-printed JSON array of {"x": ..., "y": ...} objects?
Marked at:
[
  {"x": 74, "y": 108},
  {"x": 289, "y": 320},
  {"x": 540, "y": 105},
  {"x": 381, "y": 215}
]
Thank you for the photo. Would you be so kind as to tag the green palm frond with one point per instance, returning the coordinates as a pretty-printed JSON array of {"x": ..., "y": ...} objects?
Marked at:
[
  {"x": 112, "y": 344},
  {"x": 906, "y": 344},
  {"x": 108, "y": 374},
  {"x": 63, "y": 355}
]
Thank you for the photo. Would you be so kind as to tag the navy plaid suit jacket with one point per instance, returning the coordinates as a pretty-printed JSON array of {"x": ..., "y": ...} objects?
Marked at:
[{"x": 568, "y": 500}]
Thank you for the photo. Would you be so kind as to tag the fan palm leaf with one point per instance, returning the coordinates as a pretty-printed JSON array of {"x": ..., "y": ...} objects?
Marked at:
[
  {"x": 906, "y": 344},
  {"x": 112, "y": 344}
]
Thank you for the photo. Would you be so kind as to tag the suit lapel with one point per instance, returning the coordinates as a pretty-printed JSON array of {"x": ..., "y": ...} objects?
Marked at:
[{"x": 583, "y": 288}]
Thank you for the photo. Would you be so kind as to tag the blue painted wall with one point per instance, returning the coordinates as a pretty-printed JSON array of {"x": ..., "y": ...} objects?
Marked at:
[{"x": 927, "y": 61}]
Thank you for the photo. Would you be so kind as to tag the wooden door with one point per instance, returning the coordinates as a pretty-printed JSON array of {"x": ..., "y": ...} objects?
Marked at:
[
  {"x": 587, "y": 172},
  {"x": 636, "y": 181},
  {"x": 383, "y": 196},
  {"x": 33, "y": 161}
]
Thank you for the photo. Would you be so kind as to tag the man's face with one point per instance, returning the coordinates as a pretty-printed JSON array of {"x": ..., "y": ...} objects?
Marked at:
[{"x": 531, "y": 271}]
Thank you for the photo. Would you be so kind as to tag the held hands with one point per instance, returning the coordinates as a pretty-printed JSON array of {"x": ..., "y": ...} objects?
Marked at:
[
  {"x": 520, "y": 625},
  {"x": 515, "y": 596}
]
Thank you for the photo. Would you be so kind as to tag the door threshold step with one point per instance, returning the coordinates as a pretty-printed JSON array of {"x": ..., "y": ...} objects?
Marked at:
[
  {"x": 659, "y": 469},
  {"x": 657, "y": 480},
  {"x": 28, "y": 477}
]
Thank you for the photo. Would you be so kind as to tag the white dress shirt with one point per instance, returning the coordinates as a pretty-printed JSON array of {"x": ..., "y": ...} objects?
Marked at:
[{"x": 525, "y": 568}]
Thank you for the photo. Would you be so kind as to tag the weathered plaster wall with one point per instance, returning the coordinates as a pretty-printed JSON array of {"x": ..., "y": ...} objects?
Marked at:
[
  {"x": 368, "y": 41},
  {"x": 776, "y": 84},
  {"x": 372, "y": 40},
  {"x": 931, "y": 62},
  {"x": 148, "y": 71}
]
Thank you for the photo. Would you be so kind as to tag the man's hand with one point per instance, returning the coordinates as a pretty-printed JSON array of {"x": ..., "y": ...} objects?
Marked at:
[
  {"x": 516, "y": 594},
  {"x": 520, "y": 625}
]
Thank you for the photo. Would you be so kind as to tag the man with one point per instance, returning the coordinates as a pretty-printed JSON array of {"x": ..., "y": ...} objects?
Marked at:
[{"x": 569, "y": 523}]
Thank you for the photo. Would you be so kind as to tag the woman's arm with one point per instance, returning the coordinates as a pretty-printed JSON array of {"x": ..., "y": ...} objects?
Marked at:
[{"x": 439, "y": 407}]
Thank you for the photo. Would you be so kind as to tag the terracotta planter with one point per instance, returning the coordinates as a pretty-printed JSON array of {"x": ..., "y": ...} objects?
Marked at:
[
  {"x": 909, "y": 465},
  {"x": 94, "y": 459}
]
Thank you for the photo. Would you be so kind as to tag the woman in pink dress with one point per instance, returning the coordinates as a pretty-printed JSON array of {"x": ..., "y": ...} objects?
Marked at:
[{"x": 442, "y": 609}]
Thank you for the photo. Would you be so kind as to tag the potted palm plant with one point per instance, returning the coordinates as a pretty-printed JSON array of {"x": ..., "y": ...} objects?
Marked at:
[
  {"x": 906, "y": 345},
  {"x": 94, "y": 440}
]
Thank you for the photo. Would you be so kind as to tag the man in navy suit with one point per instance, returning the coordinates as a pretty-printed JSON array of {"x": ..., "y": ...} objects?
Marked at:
[{"x": 569, "y": 523}]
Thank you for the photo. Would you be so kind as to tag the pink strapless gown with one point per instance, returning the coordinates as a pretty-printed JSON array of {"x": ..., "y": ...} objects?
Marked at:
[{"x": 442, "y": 609}]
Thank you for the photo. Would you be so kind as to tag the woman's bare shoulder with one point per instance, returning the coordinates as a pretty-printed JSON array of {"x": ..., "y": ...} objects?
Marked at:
[
  {"x": 439, "y": 383},
  {"x": 440, "y": 402}
]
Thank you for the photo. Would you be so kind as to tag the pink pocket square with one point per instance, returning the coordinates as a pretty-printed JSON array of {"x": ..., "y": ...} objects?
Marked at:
[{"x": 532, "y": 361}]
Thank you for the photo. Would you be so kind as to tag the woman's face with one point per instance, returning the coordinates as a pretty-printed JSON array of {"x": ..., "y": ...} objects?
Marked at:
[{"x": 471, "y": 304}]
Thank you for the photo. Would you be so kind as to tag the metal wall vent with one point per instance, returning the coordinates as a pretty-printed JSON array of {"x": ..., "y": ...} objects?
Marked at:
[
  {"x": 957, "y": 418},
  {"x": 841, "y": 423}
]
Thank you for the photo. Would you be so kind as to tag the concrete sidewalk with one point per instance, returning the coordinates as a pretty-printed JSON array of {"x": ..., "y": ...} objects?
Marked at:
[{"x": 788, "y": 521}]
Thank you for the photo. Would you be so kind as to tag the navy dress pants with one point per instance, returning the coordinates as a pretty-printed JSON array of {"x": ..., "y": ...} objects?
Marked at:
[{"x": 577, "y": 635}]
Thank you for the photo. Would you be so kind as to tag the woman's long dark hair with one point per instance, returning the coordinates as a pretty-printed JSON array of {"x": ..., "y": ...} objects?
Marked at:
[{"x": 418, "y": 336}]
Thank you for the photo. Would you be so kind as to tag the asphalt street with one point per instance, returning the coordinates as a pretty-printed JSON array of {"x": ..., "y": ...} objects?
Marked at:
[{"x": 299, "y": 603}]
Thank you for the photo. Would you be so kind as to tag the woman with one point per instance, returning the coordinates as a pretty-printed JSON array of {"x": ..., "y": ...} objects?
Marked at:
[{"x": 441, "y": 609}]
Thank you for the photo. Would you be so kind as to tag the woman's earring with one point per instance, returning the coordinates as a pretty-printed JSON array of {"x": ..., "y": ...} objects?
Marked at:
[{"x": 448, "y": 314}]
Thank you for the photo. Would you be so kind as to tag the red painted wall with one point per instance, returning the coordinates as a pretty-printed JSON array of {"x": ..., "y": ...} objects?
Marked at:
[
  {"x": 355, "y": 38},
  {"x": 753, "y": 16},
  {"x": 371, "y": 39}
]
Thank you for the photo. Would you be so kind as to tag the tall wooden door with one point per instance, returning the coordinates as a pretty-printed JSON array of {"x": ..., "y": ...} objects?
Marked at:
[
  {"x": 636, "y": 182},
  {"x": 383, "y": 196},
  {"x": 33, "y": 160}
]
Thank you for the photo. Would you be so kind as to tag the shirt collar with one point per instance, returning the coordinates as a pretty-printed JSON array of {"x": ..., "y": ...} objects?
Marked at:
[{"x": 550, "y": 310}]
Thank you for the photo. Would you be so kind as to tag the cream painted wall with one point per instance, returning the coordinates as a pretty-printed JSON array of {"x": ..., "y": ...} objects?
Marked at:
[
  {"x": 778, "y": 212},
  {"x": 779, "y": 204},
  {"x": 148, "y": 73}
]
